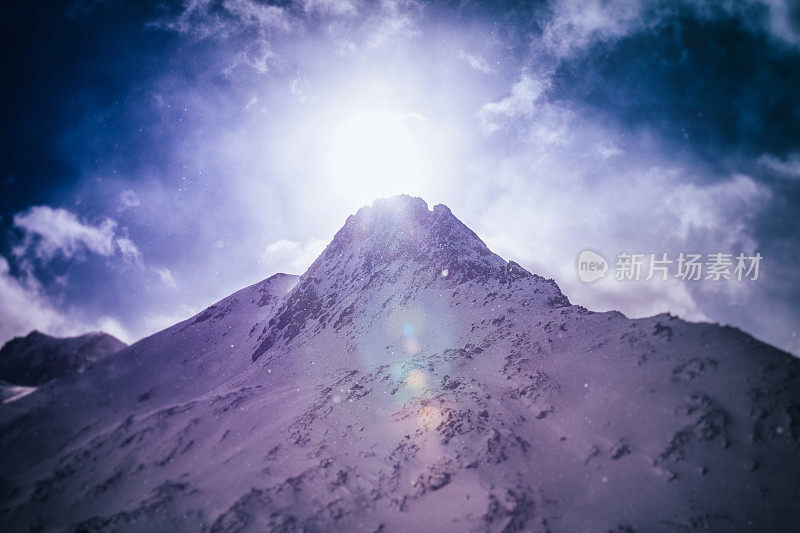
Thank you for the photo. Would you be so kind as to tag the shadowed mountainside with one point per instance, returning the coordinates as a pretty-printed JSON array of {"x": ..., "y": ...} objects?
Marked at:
[{"x": 38, "y": 358}]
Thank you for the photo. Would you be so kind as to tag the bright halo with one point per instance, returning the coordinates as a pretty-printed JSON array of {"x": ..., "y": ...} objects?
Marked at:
[{"x": 374, "y": 154}]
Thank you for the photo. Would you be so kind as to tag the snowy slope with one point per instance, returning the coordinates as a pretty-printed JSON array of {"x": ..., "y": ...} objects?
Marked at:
[
  {"x": 38, "y": 358},
  {"x": 10, "y": 392},
  {"x": 412, "y": 380}
]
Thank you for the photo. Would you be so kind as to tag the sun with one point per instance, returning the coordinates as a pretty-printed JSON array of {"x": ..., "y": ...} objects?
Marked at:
[{"x": 374, "y": 153}]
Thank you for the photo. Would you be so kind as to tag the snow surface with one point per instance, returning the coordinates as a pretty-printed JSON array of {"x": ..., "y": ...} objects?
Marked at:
[
  {"x": 10, "y": 392},
  {"x": 378, "y": 393}
]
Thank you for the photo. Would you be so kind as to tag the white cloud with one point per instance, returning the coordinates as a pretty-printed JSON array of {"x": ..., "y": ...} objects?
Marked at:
[
  {"x": 720, "y": 211},
  {"x": 155, "y": 322},
  {"x": 261, "y": 15},
  {"x": 129, "y": 198},
  {"x": 282, "y": 247},
  {"x": 49, "y": 232},
  {"x": 111, "y": 326},
  {"x": 608, "y": 150},
  {"x": 779, "y": 19},
  {"x": 291, "y": 256},
  {"x": 166, "y": 277},
  {"x": 298, "y": 88},
  {"x": 267, "y": 19},
  {"x": 413, "y": 115},
  {"x": 395, "y": 21},
  {"x": 250, "y": 103},
  {"x": 476, "y": 62},
  {"x": 639, "y": 299},
  {"x": 551, "y": 125},
  {"x": 574, "y": 184},
  {"x": 23, "y": 307},
  {"x": 208, "y": 19},
  {"x": 783, "y": 20},
  {"x": 60, "y": 230},
  {"x": 330, "y": 7},
  {"x": 788, "y": 166},
  {"x": 520, "y": 102},
  {"x": 577, "y": 24},
  {"x": 128, "y": 249},
  {"x": 258, "y": 55},
  {"x": 196, "y": 19}
]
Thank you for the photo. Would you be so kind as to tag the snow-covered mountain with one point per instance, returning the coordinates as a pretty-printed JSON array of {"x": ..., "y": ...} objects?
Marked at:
[
  {"x": 38, "y": 358},
  {"x": 412, "y": 380}
]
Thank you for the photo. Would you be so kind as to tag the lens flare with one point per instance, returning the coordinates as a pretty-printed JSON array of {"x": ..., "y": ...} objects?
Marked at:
[
  {"x": 416, "y": 378},
  {"x": 412, "y": 347},
  {"x": 429, "y": 417}
]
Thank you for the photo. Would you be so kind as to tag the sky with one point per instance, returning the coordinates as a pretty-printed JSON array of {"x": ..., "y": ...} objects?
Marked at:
[{"x": 158, "y": 156}]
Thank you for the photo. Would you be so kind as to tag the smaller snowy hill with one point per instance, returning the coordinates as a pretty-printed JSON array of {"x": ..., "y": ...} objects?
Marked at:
[{"x": 38, "y": 358}]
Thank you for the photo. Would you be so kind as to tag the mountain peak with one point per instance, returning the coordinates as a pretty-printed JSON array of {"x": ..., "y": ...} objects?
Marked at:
[
  {"x": 401, "y": 247},
  {"x": 402, "y": 232},
  {"x": 38, "y": 358},
  {"x": 401, "y": 216}
]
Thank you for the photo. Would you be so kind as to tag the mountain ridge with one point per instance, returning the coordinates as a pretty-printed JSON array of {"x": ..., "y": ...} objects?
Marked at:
[
  {"x": 392, "y": 396},
  {"x": 37, "y": 358}
]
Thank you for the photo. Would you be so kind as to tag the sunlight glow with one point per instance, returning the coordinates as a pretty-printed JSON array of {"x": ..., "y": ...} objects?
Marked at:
[{"x": 377, "y": 153}]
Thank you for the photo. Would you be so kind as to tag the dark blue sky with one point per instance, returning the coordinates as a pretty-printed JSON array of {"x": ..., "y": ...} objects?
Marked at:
[{"x": 158, "y": 156}]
